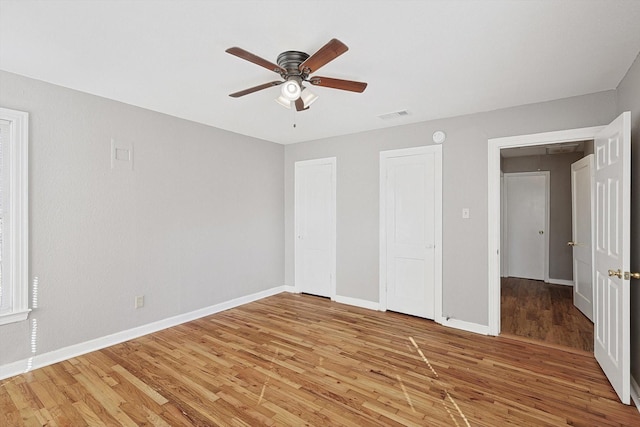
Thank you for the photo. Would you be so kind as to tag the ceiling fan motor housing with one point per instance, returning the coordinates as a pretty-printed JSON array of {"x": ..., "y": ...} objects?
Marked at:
[{"x": 290, "y": 61}]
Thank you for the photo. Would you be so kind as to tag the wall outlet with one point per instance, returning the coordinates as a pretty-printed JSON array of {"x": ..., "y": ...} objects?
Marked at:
[
  {"x": 465, "y": 213},
  {"x": 139, "y": 302}
]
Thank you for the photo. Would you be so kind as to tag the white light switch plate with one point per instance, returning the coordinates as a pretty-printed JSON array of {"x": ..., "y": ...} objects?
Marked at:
[{"x": 465, "y": 213}]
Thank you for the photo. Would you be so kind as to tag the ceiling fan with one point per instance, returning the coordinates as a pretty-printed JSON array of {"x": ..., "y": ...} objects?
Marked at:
[{"x": 295, "y": 68}]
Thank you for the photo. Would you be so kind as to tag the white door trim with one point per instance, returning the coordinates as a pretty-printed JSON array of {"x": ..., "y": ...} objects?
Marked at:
[
  {"x": 331, "y": 161},
  {"x": 547, "y": 180},
  {"x": 493, "y": 174},
  {"x": 384, "y": 155}
]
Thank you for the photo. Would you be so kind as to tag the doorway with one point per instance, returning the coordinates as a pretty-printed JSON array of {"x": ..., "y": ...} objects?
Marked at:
[
  {"x": 611, "y": 260},
  {"x": 536, "y": 287}
]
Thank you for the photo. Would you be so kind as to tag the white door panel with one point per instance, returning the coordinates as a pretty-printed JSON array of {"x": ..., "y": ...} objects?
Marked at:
[
  {"x": 612, "y": 228},
  {"x": 315, "y": 227},
  {"x": 526, "y": 224},
  {"x": 581, "y": 225},
  {"x": 409, "y": 204}
]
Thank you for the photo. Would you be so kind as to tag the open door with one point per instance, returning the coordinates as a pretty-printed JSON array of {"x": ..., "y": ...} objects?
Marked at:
[
  {"x": 581, "y": 232},
  {"x": 612, "y": 218}
]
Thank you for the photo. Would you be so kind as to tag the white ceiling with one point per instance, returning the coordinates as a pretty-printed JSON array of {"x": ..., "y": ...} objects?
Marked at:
[{"x": 433, "y": 58}]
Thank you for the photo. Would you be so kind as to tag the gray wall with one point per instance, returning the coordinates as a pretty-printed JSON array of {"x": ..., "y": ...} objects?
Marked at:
[
  {"x": 465, "y": 282},
  {"x": 559, "y": 167},
  {"x": 629, "y": 100},
  {"x": 200, "y": 206}
]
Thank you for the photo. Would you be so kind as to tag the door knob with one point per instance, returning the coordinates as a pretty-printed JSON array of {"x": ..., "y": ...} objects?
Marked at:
[
  {"x": 629, "y": 276},
  {"x": 617, "y": 273},
  {"x": 541, "y": 232},
  {"x": 572, "y": 244}
]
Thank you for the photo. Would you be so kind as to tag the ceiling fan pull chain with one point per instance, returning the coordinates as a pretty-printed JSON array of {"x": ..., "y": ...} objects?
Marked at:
[{"x": 293, "y": 114}]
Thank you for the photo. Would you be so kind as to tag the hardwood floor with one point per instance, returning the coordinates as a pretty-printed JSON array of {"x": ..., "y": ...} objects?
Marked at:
[
  {"x": 300, "y": 360},
  {"x": 545, "y": 312}
]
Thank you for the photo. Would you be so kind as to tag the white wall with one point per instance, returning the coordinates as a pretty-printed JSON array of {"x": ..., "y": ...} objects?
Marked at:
[
  {"x": 465, "y": 287},
  {"x": 198, "y": 221},
  {"x": 629, "y": 100}
]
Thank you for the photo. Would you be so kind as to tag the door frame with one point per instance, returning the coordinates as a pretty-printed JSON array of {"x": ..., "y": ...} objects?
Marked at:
[
  {"x": 333, "y": 238},
  {"x": 547, "y": 209},
  {"x": 384, "y": 155},
  {"x": 494, "y": 214}
]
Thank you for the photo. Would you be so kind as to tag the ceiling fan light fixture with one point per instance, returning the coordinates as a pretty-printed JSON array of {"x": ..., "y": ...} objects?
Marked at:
[
  {"x": 283, "y": 101},
  {"x": 308, "y": 97},
  {"x": 291, "y": 90}
]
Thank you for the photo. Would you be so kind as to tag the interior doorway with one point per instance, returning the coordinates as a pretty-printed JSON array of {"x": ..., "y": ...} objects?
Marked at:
[
  {"x": 612, "y": 177},
  {"x": 537, "y": 278}
]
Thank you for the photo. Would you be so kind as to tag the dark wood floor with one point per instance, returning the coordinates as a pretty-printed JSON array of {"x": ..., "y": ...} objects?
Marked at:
[
  {"x": 297, "y": 360},
  {"x": 545, "y": 312}
]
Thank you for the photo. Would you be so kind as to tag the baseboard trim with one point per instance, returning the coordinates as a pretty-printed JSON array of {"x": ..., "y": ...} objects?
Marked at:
[
  {"x": 561, "y": 282},
  {"x": 357, "y": 302},
  {"x": 55, "y": 356},
  {"x": 466, "y": 326},
  {"x": 635, "y": 393},
  {"x": 290, "y": 289}
]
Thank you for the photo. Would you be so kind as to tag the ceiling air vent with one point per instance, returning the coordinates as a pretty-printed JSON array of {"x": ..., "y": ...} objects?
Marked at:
[{"x": 394, "y": 115}]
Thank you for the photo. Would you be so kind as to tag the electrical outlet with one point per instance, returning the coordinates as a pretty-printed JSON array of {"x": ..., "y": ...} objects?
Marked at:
[
  {"x": 465, "y": 213},
  {"x": 139, "y": 301}
]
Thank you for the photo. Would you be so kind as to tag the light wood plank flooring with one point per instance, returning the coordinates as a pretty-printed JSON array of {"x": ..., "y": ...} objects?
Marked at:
[
  {"x": 543, "y": 311},
  {"x": 296, "y": 360}
]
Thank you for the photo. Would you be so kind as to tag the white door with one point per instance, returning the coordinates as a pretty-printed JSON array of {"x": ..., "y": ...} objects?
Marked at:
[
  {"x": 612, "y": 218},
  {"x": 315, "y": 226},
  {"x": 581, "y": 214},
  {"x": 409, "y": 204},
  {"x": 526, "y": 221}
]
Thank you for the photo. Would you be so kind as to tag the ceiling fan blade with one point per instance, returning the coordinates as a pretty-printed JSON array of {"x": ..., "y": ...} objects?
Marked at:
[
  {"x": 248, "y": 56},
  {"x": 255, "y": 89},
  {"x": 349, "y": 85},
  {"x": 327, "y": 53},
  {"x": 300, "y": 105}
]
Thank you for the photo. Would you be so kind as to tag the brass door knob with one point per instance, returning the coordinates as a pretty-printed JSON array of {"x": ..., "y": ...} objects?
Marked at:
[
  {"x": 572, "y": 244},
  {"x": 629, "y": 276},
  {"x": 616, "y": 273}
]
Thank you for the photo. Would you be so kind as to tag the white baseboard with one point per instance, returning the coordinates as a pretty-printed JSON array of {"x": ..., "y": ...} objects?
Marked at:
[
  {"x": 466, "y": 326},
  {"x": 45, "y": 359},
  {"x": 290, "y": 289},
  {"x": 561, "y": 282},
  {"x": 635, "y": 393},
  {"x": 371, "y": 305}
]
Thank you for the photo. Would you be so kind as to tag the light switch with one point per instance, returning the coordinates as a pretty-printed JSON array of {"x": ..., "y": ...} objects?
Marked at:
[{"x": 465, "y": 213}]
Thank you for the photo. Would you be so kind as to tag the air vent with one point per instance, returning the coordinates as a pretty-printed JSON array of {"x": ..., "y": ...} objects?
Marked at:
[{"x": 394, "y": 115}]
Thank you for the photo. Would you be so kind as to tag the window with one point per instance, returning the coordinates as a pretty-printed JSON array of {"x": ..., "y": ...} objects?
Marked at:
[{"x": 14, "y": 249}]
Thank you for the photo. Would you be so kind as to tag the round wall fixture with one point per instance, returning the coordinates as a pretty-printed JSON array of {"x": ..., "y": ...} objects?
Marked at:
[{"x": 439, "y": 137}]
